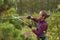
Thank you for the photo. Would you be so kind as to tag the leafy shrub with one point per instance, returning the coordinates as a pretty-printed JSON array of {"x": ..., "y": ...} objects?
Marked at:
[{"x": 11, "y": 28}]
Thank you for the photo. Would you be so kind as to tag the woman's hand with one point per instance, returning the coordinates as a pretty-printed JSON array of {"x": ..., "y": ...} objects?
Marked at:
[
  {"x": 30, "y": 26},
  {"x": 29, "y": 17}
]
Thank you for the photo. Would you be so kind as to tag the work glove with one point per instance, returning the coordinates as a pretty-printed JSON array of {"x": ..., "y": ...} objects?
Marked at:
[
  {"x": 30, "y": 26},
  {"x": 28, "y": 17}
]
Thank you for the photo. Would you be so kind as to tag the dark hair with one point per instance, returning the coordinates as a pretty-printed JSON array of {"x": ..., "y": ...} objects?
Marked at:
[{"x": 44, "y": 13}]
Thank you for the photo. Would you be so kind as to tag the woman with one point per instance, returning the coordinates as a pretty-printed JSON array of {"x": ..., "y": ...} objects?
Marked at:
[{"x": 42, "y": 25}]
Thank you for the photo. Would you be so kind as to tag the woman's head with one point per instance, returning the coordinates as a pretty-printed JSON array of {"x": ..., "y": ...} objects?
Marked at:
[{"x": 43, "y": 14}]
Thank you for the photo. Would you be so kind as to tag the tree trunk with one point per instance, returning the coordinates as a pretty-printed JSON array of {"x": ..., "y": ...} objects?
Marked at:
[
  {"x": 19, "y": 7},
  {"x": 0, "y": 14}
]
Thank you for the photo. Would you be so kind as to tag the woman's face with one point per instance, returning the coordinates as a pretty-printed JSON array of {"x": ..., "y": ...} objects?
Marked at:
[{"x": 40, "y": 15}]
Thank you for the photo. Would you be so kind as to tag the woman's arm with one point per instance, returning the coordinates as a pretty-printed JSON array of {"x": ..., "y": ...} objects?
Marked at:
[
  {"x": 40, "y": 30},
  {"x": 34, "y": 19}
]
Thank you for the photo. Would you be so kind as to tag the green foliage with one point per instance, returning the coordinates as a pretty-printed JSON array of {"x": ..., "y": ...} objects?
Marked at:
[
  {"x": 54, "y": 28},
  {"x": 7, "y": 31},
  {"x": 12, "y": 28},
  {"x": 4, "y": 3},
  {"x": 17, "y": 23}
]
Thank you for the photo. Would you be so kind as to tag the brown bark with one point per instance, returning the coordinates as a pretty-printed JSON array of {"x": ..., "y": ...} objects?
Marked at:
[{"x": 0, "y": 14}]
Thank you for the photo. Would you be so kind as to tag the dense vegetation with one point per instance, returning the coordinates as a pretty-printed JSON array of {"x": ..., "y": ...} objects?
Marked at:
[{"x": 12, "y": 28}]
